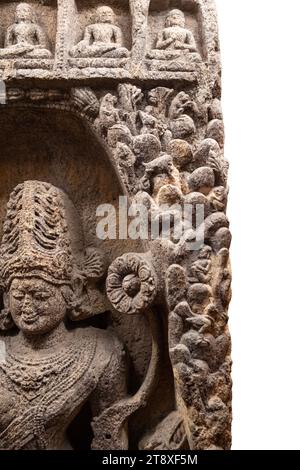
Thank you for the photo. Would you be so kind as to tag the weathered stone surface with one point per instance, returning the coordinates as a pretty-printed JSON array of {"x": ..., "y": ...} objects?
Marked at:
[{"x": 103, "y": 100}]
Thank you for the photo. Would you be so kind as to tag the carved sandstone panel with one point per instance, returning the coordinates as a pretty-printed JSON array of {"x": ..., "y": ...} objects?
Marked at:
[{"x": 148, "y": 317}]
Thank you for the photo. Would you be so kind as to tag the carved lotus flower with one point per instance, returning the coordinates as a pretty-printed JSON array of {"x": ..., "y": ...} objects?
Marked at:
[{"x": 131, "y": 284}]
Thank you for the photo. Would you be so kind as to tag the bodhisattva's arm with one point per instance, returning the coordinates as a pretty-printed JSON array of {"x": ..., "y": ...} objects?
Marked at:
[
  {"x": 40, "y": 37},
  {"x": 111, "y": 390},
  {"x": 190, "y": 42},
  {"x": 163, "y": 43},
  {"x": 118, "y": 36},
  {"x": 88, "y": 37},
  {"x": 9, "y": 38}
]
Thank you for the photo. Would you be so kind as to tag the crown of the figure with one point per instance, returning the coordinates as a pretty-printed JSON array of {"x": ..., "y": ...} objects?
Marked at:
[{"x": 36, "y": 240}]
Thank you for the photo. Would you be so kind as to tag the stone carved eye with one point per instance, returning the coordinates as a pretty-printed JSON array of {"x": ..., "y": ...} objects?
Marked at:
[
  {"x": 42, "y": 295},
  {"x": 18, "y": 295}
]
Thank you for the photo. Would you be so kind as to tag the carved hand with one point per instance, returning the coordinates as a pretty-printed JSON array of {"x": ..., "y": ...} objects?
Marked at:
[{"x": 180, "y": 45}]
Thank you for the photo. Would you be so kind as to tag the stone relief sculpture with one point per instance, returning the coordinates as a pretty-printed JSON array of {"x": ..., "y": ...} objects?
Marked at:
[
  {"x": 25, "y": 38},
  {"x": 50, "y": 371},
  {"x": 174, "y": 39},
  {"x": 102, "y": 39},
  {"x": 159, "y": 129}
]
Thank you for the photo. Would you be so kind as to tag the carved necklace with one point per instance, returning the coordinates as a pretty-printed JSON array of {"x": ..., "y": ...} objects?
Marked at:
[
  {"x": 31, "y": 376},
  {"x": 61, "y": 372}
]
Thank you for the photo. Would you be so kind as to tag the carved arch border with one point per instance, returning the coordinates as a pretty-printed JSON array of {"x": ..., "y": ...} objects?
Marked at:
[{"x": 68, "y": 106}]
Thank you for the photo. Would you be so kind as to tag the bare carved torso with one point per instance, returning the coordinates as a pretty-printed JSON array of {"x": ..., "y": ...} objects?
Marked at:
[
  {"x": 179, "y": 34},
  {"x": 42, "y": 393},
  {"x": 104, "y": 33},
  {"x": 24, "y": 34}
]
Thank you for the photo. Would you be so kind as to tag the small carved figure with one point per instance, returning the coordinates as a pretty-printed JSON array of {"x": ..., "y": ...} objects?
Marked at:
[
  {"x": 218, "y": 199},
  {"x": 150, "y": 125},
  {"x": 130, "y": 97},
  {"x": 175, "y": 39},
  {"x": 158, "y": 100},
  {"x": 49, "y": 371},
  {"x": 102, "y": 39},
  {"x": 160, "y": 172},
  {"x": 25, "y": 37},
  {"x": 125, "y": 159},
  {"x": 181, "y": 124},
  {"x": 109, "y": 115},
  {"x": 200, "y": 269},
  {"x": 182, "y": 103}
]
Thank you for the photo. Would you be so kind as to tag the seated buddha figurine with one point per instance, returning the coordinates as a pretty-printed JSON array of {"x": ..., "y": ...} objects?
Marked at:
[
  {"x": 49, "y": 370},
  {"x": 174, "y": 40},
  {"x": 102, "y": 39},
  {"x": 25, "y": 38}
]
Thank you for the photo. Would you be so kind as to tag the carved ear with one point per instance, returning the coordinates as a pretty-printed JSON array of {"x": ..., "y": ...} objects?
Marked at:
[
  {"x": 77, "y": 300},
  {"x": 94, "y": 265},
  {"x": 6, "y": 321},
  {"x": 5, "y": 298},
  {"x": 86, "y": 298}
]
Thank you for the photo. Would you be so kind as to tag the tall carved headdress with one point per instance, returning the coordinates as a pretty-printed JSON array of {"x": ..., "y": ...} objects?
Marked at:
[{"x": 36, "y": 238}]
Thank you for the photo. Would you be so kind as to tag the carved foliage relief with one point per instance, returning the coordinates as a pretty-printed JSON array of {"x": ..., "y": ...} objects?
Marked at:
[{"x": 129, "y": 322}]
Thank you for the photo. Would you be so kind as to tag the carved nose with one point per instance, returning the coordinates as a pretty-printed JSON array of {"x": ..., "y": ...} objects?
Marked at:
[{"x": 27, "y": 303}]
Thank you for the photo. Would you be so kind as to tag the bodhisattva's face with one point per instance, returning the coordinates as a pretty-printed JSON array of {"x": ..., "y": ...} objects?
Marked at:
[
  {"x": 152, "y": 98},
  {"x": 112, "y": 99},
  {"x": 36, "y": 306},
  {"x": 23, "y": 12},
  {"x": 175, "y": 18},
  {"x": 106, "y": 15}
]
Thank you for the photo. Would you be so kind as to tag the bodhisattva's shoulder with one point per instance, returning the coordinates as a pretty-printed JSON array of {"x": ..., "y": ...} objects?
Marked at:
[
  {"x": 116, "y": 28},
  {"x": 108, "y": 337},
  {"x": 2, "y": 346},
  {"x": 107, "y": 344},
  {"x": 93, "y": 26}
]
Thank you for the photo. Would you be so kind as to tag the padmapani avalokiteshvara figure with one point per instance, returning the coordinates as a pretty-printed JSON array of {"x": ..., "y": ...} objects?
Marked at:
[
  {"x": 102, "y": 39},
  {"x": 25, "y": 38},
  {"x": 48, "y": 371}
]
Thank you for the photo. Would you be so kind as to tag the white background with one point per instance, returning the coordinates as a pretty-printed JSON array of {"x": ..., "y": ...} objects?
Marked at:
[{"x": 260, "y": 43}]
